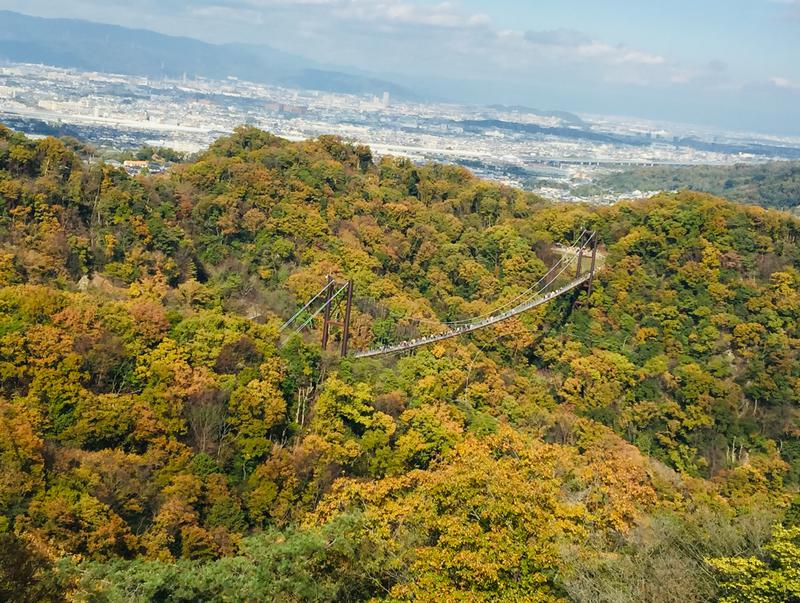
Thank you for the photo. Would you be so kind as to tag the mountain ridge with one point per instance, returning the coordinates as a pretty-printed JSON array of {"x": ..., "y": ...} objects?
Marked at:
[{"x": 95, "y": 46}]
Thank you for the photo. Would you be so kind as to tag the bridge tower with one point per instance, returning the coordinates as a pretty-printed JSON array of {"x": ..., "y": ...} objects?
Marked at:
[
  {"x": 336, "y": 303},
  {"x": 345, "y": 313},
  {"x": 591, "y": 267},
  {"x": 593, "y": 241}
]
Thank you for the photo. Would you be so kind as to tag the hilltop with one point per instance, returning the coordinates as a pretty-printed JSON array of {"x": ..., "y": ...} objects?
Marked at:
[
  {"x": 160, "y": 441},
  {"x": 774, "y": 184}
]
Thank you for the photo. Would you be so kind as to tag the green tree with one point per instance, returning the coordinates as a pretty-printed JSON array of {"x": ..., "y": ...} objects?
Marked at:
[{"x": 774, "y": 578}]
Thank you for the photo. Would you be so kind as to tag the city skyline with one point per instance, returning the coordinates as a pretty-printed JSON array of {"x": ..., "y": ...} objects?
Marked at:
[{"x": 727, "y": 64}]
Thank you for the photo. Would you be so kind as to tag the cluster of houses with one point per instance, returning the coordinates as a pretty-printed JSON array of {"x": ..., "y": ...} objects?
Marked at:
[{"x": 135, "y": 167}]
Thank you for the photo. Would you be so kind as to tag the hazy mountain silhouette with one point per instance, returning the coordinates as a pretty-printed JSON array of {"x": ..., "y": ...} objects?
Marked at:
[{"x": 110, "y": 48}]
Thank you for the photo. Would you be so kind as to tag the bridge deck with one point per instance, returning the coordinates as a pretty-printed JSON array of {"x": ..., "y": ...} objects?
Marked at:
[{"x": 482, "y": 324}]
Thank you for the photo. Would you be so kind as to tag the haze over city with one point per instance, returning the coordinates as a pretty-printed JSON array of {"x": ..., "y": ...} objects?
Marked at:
[{"x": 725, "y": 63}]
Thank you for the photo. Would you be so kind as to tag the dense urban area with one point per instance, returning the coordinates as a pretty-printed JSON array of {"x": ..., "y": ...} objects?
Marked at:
[{"x": 555, "y": 154}]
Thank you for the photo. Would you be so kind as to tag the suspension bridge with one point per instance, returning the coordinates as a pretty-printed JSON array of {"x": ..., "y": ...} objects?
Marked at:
[{"x": 335, "y": 299}]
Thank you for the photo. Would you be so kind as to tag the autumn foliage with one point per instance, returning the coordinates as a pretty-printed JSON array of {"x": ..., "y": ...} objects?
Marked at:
[{"x": 161, "y": 440}]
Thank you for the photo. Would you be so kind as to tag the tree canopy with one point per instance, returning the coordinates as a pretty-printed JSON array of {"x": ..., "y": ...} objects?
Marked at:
[{"x": 161, "y": 440}]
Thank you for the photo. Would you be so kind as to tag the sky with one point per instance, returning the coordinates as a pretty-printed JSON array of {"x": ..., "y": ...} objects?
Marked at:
[{"x": 734, "y": 64}]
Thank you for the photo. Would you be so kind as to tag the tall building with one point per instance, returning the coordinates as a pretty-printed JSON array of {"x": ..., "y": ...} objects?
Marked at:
[{"x": 386, "y": 100}]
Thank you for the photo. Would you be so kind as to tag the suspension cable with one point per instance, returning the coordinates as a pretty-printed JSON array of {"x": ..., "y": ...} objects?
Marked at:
[
  {"x": 407, "y": 345},
  {"x": 511, "y": 302},
  {"x": 304, "y": 308},
  {"x": 328, "y": 303}
]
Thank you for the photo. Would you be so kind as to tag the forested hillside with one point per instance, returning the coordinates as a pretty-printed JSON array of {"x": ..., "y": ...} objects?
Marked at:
[
  {"x": 160, "y": 441},
  {"x": 774, "y": 184}
]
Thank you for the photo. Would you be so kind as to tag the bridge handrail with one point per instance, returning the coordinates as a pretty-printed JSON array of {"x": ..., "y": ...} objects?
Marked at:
[
  {"x": 565, "y": 260},
  {"x": 527, "y": 305}
]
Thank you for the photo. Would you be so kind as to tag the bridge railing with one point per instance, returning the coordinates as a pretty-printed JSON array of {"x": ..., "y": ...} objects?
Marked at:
[{"x": 468, "y": 328}]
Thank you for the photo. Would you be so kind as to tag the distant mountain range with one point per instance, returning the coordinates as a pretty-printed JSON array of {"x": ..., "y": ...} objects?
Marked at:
[
  {"x": 109, "y": 48},
  {"x": 90, "y": 46}
]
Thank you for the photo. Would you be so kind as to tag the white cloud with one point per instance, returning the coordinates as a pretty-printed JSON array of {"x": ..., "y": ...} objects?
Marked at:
[
  {"x": 273, "y": 3},
  {"x": 785, "y": 83},
  {"x": 243, "y": 15},
  {"x": 618, "y": 54},
  {"x": 445, "y": 15}
]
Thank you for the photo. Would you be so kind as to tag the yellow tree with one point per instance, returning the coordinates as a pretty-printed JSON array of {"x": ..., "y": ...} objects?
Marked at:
[{"x": 599, "y": 381}]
